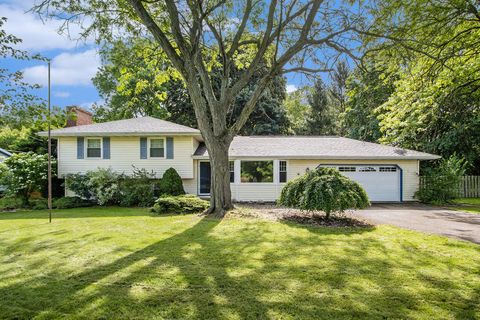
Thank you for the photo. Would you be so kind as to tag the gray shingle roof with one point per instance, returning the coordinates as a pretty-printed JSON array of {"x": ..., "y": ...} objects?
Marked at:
[
  {"x": 135, "y": 126},
  {"x": 309, "y": 147}
]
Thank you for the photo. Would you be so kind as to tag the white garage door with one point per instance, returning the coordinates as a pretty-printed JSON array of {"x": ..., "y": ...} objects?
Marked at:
[{"x": 382, "y": 183}]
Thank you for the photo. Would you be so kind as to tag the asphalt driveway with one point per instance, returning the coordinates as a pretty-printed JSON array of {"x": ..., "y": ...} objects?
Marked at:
[{"x": 429, "y": 219}]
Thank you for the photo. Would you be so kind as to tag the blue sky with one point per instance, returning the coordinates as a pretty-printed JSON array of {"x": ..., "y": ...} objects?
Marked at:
[{"x": 74, "y": 62}]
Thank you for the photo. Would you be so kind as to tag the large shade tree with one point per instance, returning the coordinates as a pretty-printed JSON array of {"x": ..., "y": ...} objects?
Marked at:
[{"x": 267, "y": 37}]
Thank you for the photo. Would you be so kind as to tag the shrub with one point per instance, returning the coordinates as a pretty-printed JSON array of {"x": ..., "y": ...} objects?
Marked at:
[
  {"x": 70, "y": 202},
  {"x": 181, "y": 204},
  {"x": 79, "y": 183},
  {"x": 24, "y": 173},
  {"x": 171, "y": 183},
  {"x": 10, "y": 203},
  {"x": 324, "y": 189},
  {"x": 441, "y": 183},
  {"x": 39, "y": 204},
  {"x": 104, "y": 185},
  {"x": 138, "y": 190}
]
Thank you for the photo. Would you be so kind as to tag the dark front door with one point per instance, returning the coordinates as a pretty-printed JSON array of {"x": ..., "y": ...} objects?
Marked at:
[{"x": 205, "y": 176}]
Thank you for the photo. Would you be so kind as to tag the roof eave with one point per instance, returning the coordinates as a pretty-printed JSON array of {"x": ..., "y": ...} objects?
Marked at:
[
  {"x": 313, "y": 157},
  {"x": 118, "y": 134}
]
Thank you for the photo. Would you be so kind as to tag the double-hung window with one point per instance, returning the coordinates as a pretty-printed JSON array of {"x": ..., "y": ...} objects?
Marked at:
[
  {"x": 94, "y": 148},
  {"x": 157, "y": 148},
  {"x": 282, "y": 171},
  {"x": 231, "y": 165}
]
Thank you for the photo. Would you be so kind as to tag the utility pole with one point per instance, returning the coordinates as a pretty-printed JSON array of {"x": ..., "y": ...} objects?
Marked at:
[{"x": 49, "y": 152}]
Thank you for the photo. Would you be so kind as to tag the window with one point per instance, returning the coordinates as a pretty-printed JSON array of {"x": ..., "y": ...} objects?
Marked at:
[
  {"x": 367, "y": 169},
  {"x": 388, "y": 169},
  {"x": 347, "y": 169},
  {"x": 283, "y": 171},
  {"x": 94, "y": 148},
  {"x": 157, "y": 148},
  {"x": 231, "y": 164},
  {"x": 257, "y": 171}
]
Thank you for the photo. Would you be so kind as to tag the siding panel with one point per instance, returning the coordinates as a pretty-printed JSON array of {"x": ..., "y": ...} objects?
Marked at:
[{"x": 124, "y": 152}]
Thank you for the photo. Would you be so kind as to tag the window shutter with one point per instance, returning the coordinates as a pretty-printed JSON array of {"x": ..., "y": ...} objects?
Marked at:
[
  {"x": 106, "y": 148},
  {"x": 143, "y": 148},
  {"x": 169, "y": 147},
  {"x": 80, "y": 147}
]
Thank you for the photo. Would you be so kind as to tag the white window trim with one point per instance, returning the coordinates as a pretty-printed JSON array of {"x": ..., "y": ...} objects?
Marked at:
[
  {"x": 286, "y": 171},
  {"x": 164, "y": 147},
  {"x": 275, "y": 172},
  {"x": 86, "y": 148}
]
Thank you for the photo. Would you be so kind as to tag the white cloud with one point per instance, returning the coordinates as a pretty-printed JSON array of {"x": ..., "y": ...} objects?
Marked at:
[
  {"x": 68, "y": 69},
  {"x": 61, "y": 94},
  {"x": 291, "y": 88},
  {"x": 36, "y": 34}
]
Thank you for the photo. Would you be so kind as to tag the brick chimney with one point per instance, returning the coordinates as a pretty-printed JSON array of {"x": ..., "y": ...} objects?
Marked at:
[{"x": 78, "y": 117}]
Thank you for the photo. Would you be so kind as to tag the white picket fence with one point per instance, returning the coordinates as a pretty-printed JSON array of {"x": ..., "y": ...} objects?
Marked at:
[{"x": 469, "y": 186}]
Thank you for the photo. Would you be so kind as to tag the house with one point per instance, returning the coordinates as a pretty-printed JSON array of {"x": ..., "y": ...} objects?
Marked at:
[
  {"x": 4, "y": 154},
  {"x": 259, "y": 166}
]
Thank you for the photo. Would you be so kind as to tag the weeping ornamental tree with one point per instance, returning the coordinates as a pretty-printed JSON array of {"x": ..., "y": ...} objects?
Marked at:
[
  {"x": 269, "y": 38},
  {"x": 323, "y": 189}
]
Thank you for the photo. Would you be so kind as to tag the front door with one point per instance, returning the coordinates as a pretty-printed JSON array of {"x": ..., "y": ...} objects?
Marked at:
[{"x": 205, "y": 176}]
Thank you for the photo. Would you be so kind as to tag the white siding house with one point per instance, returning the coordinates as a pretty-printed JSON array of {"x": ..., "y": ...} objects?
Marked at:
[{"x": 387, "y": 173}]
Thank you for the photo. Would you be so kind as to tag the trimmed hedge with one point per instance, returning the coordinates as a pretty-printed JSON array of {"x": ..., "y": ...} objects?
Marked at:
[
  {"x": 181, "y": 204},
  {"x": 11, "y": 203}
]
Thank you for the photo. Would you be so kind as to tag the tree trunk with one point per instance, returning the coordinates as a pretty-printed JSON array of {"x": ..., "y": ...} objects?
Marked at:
[{"x": 220, "y": 194}]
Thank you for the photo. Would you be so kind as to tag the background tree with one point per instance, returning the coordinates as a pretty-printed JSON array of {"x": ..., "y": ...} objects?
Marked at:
[
  {"x": 338, "y": 93},
  {"x": 271, "y": 38},
  {"x": 321, "y": 119},
  {"x": 132, "y": 83},
  {"x": 433, "y": 77},
  {"x": 22, "y": 113},
  {"x": 298, "y": 111},
  {"x": 23, "y": 174}
]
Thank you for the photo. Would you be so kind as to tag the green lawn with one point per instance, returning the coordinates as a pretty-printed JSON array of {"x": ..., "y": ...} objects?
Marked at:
[
  {"x": 124, "y": 263},
  {"x": 471, "y": 205}
]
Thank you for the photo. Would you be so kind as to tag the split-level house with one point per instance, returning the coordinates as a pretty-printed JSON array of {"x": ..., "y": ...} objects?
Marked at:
[{"x": 259, "y": 165}]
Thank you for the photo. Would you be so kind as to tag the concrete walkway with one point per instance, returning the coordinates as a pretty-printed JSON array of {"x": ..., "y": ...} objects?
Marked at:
[{"x": 429, "y": 219}]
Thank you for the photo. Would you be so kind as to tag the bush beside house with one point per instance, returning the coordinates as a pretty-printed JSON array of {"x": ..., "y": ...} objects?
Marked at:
[{"x": 441, "y": 183}]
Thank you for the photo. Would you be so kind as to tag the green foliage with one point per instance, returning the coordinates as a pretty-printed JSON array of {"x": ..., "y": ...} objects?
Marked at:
[
  {"x": 38, "y": 204},
  {"x": 70, "y": 202},
  {"x": 298, "y": 110},
  {"x": 109, "y": 187},
  {"x": 171, "y": 183},
  {"x": 11, "y": 203},
  {"x": 138, "y": 189},
  {"x": 182, "y": 204},
  {"x": 24, "y": 173},
  {"x": 79, "y": 183},
  {"x": 441, "y": 183},
  {"x": 137, "y": 80},
  {"x": 322, "y": 115},
  {"x": 105, "y": 186},
  {"x": 323, "y": 189}
]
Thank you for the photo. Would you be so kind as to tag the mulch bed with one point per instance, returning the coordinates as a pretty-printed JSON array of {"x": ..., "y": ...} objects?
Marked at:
[{"x": 272, "y": 212}]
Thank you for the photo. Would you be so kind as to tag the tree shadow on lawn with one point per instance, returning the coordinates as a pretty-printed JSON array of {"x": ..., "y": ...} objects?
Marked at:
[{"x": 248, "y": 271}]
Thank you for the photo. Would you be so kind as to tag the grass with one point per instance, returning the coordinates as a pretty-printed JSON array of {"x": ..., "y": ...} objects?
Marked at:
[
  {"x": 123, "y": 263},
  {"x": 471, "y": 205}
]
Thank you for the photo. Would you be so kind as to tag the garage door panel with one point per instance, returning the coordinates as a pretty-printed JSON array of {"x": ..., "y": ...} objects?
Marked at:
[{"x": 380, "y": 186}]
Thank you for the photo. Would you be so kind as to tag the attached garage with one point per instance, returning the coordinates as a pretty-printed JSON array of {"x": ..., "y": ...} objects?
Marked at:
[{"x": 383, "y": 183}]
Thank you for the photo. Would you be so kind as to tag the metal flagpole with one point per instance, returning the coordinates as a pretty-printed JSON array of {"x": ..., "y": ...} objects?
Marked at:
[{"x": 49, "y": 152}]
